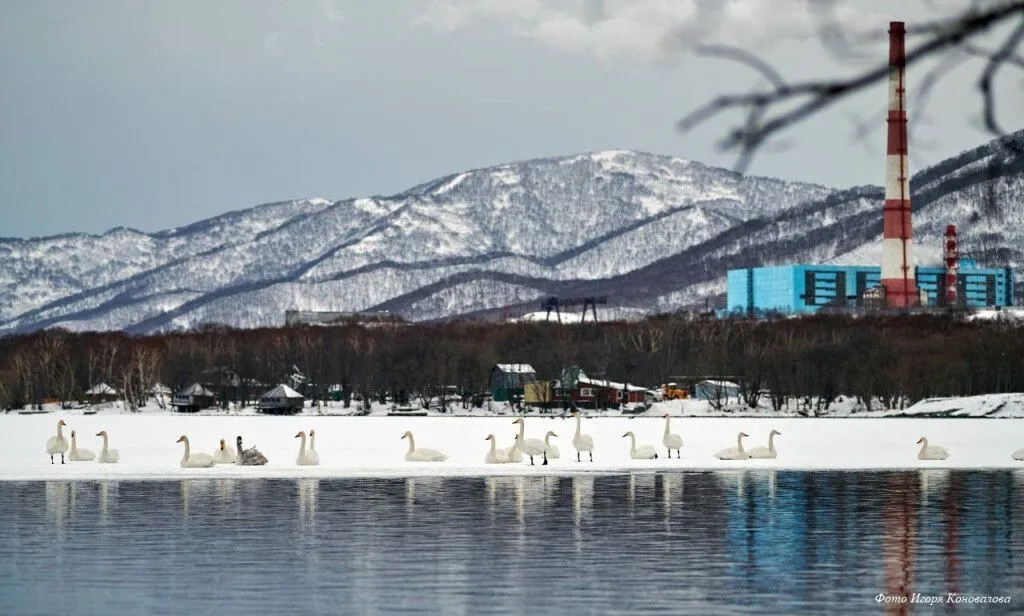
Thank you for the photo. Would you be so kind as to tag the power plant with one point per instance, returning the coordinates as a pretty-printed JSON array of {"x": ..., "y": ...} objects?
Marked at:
[{"x": 896, "y": 283}]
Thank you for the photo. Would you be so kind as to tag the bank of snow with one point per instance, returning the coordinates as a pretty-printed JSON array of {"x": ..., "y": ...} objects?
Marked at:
[{"x": 372, "y": 446}]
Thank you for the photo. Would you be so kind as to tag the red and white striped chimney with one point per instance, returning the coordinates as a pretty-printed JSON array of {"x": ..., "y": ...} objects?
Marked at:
[
  {"x": 897, "y": 256},
  {"x": 951, "y": 253}
]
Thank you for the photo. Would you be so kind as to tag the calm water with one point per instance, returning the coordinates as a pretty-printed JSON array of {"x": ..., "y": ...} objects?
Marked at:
[{"x": 699, "y": 543}]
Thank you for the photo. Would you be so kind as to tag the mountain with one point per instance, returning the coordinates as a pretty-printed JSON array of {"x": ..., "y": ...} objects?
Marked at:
[{"x": 653, "y": 233}]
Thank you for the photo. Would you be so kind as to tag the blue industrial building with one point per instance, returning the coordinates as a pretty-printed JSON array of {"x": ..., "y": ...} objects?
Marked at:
[{"x": 804, "y": 289}]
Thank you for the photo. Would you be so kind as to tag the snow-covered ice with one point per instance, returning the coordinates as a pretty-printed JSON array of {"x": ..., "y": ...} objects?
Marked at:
[{"x": 372, "y": 446}]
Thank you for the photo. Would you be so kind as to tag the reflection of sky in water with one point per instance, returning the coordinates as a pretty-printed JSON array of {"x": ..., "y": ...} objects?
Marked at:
[{"x": 729, "y": 541}]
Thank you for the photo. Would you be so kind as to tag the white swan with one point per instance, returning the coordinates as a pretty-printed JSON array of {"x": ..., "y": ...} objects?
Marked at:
[
  {"x": 107, "y": 455},
  {"x": 552, "y": 450},
  {"x": 930, "y": 452},
  {"x": 57, "y": 444},
  {"x": 248, "y": 457},
  {"x": 194, "y": 460},
  {"x": 531, "y": 446},
  {"x": 515, "y": 454},
  {"x": 311, "y": 452},
  {"x": 223, "y": 454},
  {"x": 305, "y": 457},
  {"x": 79, "y": 455},
  {"x": 422, "y": 454},
  {"x": 582, "y": 442},
  {"x": 672, "y": 441},
  {"x": 734, "y": 453},
  {"x": 495, "y": 455},
  {"x": 765, "y": 452},
  {"x": 1018, "y": 455},
  {"x": 643, "y": 452}
]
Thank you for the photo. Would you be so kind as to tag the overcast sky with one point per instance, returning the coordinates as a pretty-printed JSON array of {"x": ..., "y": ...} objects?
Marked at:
[{"x": 157, "y": 114}]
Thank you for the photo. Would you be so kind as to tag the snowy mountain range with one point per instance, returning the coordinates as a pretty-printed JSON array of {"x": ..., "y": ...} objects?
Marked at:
[{"x": 652, "y": 233}]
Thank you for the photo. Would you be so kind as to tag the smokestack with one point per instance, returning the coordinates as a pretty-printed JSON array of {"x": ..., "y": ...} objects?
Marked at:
[
  {"x": 951, "y": 254},
  {"x": 897, "y": 256}
]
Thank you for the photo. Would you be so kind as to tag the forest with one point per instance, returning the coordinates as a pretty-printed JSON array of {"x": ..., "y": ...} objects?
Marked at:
[{"x": 884, "y": 360}]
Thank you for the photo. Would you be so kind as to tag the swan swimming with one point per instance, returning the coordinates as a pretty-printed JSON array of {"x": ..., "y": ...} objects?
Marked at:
[
  {"x": 643, "y": 452},
  {"x": 305, "y": 457},
  {"x": 672, "y": 441},
  {"x": 552, "y": 450},
  {"x": 107, "y": 455},
  {"x": 930, "y": 452},
  {"x": 582, "y": 442},
  {"x": 194, "y": 460},
  {"x": 57, "y": 444},
  {"x": 531, "y": 446},
  {"x": 223, "y": 454},
  {"x": 79, "y": 455},
  {"x": 734, "y": 453},
  {"x": 311, "y": 452},
  {"x": 765, "y": 452},
  {"x": 248, "y": 457},
  {"x": 495, "y": 455},
  {"x": 422, "y": 454}
]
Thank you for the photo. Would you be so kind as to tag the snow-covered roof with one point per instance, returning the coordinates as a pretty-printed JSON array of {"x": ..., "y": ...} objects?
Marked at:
[
  {"x": 584, "y": 380},
  {"x": 101, "y": 390},
  {"x": 282, "y": 391},
  {"x": 160, "y": 388},
  {"x": 196, "y": 390},
  {"x": 517, "y": 368},
  {"x": 719, "y": 384}
]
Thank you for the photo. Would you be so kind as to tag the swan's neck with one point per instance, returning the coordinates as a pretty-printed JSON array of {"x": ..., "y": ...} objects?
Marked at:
[
  {"x": 187, "y": 450},
  {"x": 632, "y": 443},
  {"x": 577, "y": 425},
  {"x": 494, "y": 449},
  {"x": 60, "y": 432},
  {"x": 771, "y": 442},
  {"x": 74, "y": 443},
  {"x": 546, "y": 438},
  {"x": 239, "y": 445},
  {"x": 312, "y": 441},
  {"x": 105, "y": 443},
  {"x": 924, "y": 445},
  {"x": 522, "y": 429},
  {"x": 412, "y": 444},
  {"x": 739, "y": 443},
  {"x": 302, "y": 443},
  {"x": 666, "y": 426}
]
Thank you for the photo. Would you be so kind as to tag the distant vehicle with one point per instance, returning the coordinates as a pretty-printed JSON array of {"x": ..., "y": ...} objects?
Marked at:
[{"x": 672, "y": 391}]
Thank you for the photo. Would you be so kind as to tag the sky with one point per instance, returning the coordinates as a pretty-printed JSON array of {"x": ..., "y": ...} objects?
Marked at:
[{"x": 153, "y": 115}]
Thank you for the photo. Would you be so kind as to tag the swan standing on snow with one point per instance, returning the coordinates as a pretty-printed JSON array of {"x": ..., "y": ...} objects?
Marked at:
[
  {"x": 552, "y": 450},
  {"x": 643, "y": 452},
  {"x": 79, "y": 455},
  {"x": 223, "y": 454},
  {"x": 306, "y": 458},
  {"x": 248, "y": 457},
  {"x": 766, "y": 452},
  {"x": 194, "y": 460},
  {"x": 672, "y": 441},
  {"x": 57, "y": 444},
  {"x": 313, "y": 455},
  {"x": 734, "y": 453},
  {"x": 582, "y": 442},
  {"x": 107, "y": 455},
  {"x": 495, "y": 455},
  {"x": 930, "y": 452},
  {"x": 531, "y": 446},
  {"x": 515, "y": 454},
  {"x": 422, "y": 454},
  {"x": 1018, "y": 455}
]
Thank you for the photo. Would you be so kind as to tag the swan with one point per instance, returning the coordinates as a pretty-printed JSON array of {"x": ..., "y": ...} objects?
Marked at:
[
  {"x": 223, "y": 454},
  {"x": 107, "y": 455},
  {"x": 306, "y": 458},
  {"x": 79, "y": 455},
  {"x": 1018, "y": 455},
  {"x": 57, "y": 444},
  {"x": 766, "y": 452},
  {"x": 194, "y": 460},
  {"x": 311, "y": 452},
  {"x": 734, "y": 453},
  {"x": 495, "y": 455},
  {"x": 582, "y": 442},
  {"x": 930, "y": 452},
  {"x": 672, "y": 441},
  {"x": 515, "y": 454},
  {"x": 248, "y": 457},
  {"x": 643, "y": 452},
  {"x": 553, "y": 452},
  {"x": 422, "y": 454},
  {"x": 531, "y": 446}
]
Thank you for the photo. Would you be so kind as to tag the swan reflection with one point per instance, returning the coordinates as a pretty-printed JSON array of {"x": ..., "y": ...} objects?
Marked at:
[
  {"x": 307, "y": 502},
  {"x": 58, "y": 504}
]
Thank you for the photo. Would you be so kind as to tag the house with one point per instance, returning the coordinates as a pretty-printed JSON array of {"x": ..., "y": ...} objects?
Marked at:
[
  {"x": 192, "y": 399},
  {"x": 508, "y": 381},
  {"x": 281, "y": 400},
  {"x": 591, "y": 392},
  {"x": 101, "y": 393}
]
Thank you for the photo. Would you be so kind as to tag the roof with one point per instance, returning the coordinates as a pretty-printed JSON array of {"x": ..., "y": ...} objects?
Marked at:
[
  {"x": 282, "y": 391},
  {"x": 101, "y": 389},
  {"x": 159, "y": 388},
  {"x": 584, "y": 380},
  {"x": 516, "y": 368},
  {"x": 196, "y": 390},
  {"x": 719, "y": 384}
]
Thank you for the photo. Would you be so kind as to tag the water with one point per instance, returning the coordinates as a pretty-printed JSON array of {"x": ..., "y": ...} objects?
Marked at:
[{"x": 698, "y": 543}]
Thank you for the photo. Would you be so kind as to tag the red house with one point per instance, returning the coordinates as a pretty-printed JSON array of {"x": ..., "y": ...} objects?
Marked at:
[{"x": 585, "y": 391}]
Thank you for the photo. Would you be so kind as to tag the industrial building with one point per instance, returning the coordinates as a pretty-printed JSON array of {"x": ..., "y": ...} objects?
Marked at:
[
  {"x": 895, "y": 283},
  {"x": 804, "y": 289}
]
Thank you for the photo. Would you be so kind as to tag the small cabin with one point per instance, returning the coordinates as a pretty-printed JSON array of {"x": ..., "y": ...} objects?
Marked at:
[
  {"x": 192, "y": 399},
  {"x": 716, "y": 390},
  {"x": 281, "y": 400},
  {"x": 101, "y": 393},
  {"x": 508, "y": 381}
]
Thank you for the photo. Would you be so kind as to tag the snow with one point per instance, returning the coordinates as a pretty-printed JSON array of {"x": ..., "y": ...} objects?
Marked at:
[
  {"x": 282, "y": 391},
  {"x": 517, "y": 368},
  {"x": 102, "y": 389},
  {"x": 371, "y": 446}
]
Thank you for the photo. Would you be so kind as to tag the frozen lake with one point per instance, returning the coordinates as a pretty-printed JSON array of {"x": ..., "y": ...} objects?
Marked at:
[{"x": 744, "y": 541}]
